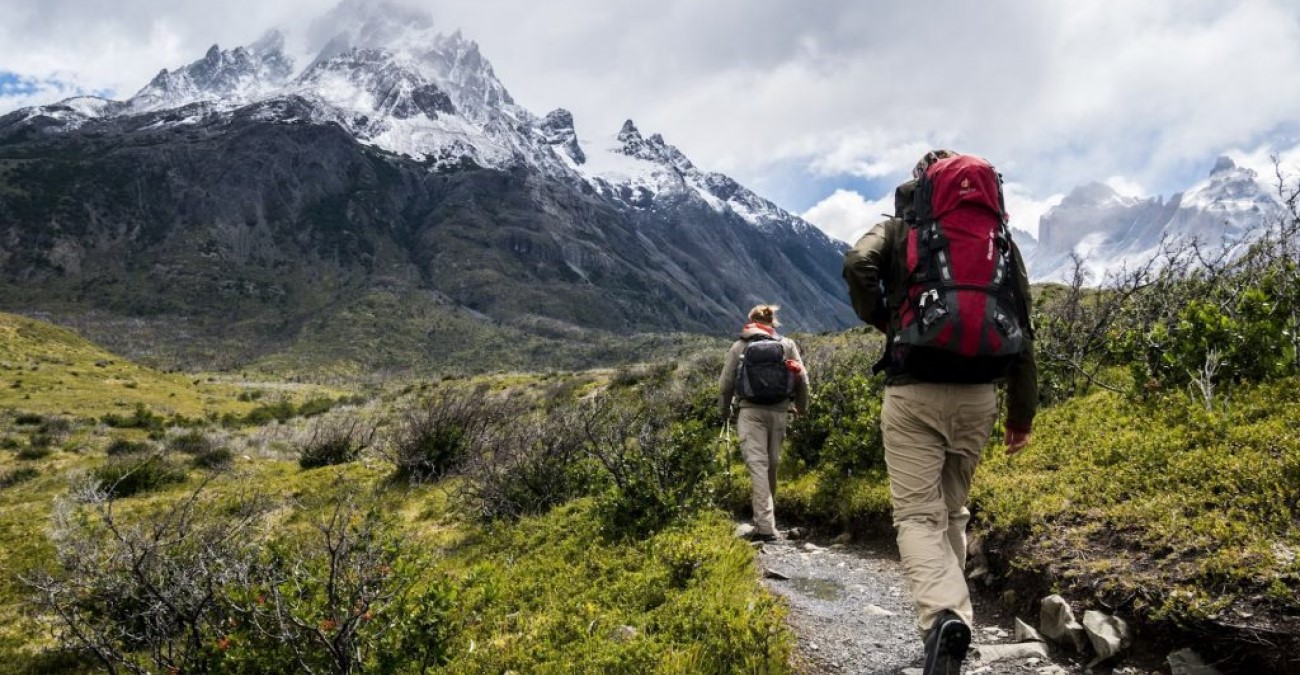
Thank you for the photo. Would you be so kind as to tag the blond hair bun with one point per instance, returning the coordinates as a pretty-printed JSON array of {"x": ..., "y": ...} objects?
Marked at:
[{"x": 765, "y": 314}]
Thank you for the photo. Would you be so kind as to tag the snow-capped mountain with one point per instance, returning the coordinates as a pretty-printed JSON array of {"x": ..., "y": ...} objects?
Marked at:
[
  {"x": 393, "y": 81},
  {"x": 242, "y": 184},
  {"x": 226, "y": 78},
  {"x": 1112, "y": 232}
]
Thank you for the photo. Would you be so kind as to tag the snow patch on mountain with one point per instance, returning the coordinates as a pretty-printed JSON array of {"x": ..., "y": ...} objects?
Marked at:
[
  {"x": 1112, "y": 232},
  {"x": 228, "y": 78}
]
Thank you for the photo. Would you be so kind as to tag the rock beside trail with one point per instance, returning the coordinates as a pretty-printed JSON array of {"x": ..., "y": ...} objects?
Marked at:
[
  {"x": 1020, "y": 650},
  {"x": 1056, "y": 621},
  {"x": 1188, "y": 662},
  {"x": 1026, "y": 633},
  {"x": 1109, "y": 635}
]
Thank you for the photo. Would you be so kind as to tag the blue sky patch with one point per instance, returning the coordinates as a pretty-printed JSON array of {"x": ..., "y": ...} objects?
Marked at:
[{"x": 13, "y": 84}]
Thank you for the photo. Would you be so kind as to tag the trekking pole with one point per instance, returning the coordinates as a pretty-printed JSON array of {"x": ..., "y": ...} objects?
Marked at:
[{"x": 724, "y": 442}]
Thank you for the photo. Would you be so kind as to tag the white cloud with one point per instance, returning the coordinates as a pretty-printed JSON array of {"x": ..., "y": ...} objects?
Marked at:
[
  {"x": 1261, "y": 159},
  {"x": 847, "y": 215},
  {"x": 1026, "y": 211},
  {"x": 1125, "y": 186}
]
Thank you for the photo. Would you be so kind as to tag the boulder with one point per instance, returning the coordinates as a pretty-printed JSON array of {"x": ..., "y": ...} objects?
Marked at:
[
  {"x": 1026, "y": 633},
  {"x": 1188, "y": 662},
  {"x": 1023, "y": 650},
  {"x": 1109, "y": 635},
  {"x": 1056, "y": 621}
]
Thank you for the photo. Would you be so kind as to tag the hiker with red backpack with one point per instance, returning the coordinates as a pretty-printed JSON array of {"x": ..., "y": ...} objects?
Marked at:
[
  {"x": 945, "y": 283},
  {"x": 763, "y": 382}
]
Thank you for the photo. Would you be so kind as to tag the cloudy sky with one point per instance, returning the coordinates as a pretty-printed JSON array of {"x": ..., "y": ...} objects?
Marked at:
[{"x": 822, "y": 106}]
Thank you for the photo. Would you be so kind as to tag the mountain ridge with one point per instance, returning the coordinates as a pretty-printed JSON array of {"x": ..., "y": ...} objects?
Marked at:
[{"x": 253, "y": 201}]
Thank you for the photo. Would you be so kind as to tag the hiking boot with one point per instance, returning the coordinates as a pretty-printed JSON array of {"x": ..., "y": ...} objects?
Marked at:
[
  {"x": 945, "y": 645},
  {"x": 767, "y": 538}
]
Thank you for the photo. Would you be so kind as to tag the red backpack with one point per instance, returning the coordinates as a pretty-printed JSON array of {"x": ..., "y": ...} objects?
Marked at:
[{"x": 961, "y": 317}]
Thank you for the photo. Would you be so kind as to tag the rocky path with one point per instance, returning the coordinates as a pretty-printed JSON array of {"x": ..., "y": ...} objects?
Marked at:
[{"x": 850, "y": 609}]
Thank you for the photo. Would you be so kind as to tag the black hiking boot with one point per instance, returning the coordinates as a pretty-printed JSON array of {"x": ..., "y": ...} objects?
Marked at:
[{"x": 945, "y": 645}]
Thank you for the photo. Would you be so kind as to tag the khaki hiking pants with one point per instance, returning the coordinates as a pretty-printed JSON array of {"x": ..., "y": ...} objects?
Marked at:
[
  {"x": 761, "y": 431},
  {"x": 934, "y": 435}
]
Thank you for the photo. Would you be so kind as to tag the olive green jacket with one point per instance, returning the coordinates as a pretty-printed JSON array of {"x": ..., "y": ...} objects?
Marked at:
[{"x": 880, "y": 258}]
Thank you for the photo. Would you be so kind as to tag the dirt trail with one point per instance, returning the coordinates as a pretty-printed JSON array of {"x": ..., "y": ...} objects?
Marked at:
[{"x": 850, "y": 609}]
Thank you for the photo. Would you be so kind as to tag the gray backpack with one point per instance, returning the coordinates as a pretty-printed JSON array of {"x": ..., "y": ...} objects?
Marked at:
[{"x": 763, "y": 377}]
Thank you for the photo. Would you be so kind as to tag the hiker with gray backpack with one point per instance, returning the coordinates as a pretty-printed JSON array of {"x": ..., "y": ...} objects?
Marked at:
[
  {"x": 945, "y": 283},
  {"x": 763, "y": 382}
]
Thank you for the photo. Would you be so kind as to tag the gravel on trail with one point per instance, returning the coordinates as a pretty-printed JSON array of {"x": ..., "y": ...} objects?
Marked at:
[{"x": 851, "y": 612}]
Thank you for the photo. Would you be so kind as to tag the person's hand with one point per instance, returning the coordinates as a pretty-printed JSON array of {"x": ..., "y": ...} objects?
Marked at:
[
  {"x": 794, "y": 410},
  {"x": 1016, "y": 441}
]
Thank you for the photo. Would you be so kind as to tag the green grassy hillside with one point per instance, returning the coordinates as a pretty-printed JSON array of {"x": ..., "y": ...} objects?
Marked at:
[{"x": 51, "y": 370}]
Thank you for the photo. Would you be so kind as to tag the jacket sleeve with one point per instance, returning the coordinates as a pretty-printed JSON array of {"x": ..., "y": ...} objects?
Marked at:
[
  {"x": 865, "y": 266},
  {"x": 1022, "y": 380},
  {"x": 727, "y": 381},
  {"x": 802, "y": 383}
]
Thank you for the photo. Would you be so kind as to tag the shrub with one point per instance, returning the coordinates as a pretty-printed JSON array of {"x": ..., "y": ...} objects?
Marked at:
[
  {"x": 314, "y": 407},
  {"x": 345, "y": 598},
  {"x": 140, "y": 418},
  {"x": 35, "y": 451},
  {"x": 841, "y": 431},
  {"x": 122, "y": 446},
  {"x": 192, "y": 442},
  {"x": 214, "y": 458},
  {"x": 281, "y": 411},
  {"x": 28, "y": 419},
  {"x": 531, "y": 466},
  {"x": 192, "y": 589},
  {"x": 139, "y": 594},
  {"x": 127, "y": 475},
  {"x": 17, "y": 475},
  {"x": 435, "y": 436},
  {"x": 658, "y": 468},
  {"x": 335, "y": 441}
]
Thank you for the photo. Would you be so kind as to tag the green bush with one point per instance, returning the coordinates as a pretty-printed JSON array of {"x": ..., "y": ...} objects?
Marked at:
[
  {"x": 198, "y": 587},
  {"x": 315, "y": 406},
  {"x": 28, "y": 419},
  {"x": 17, "y": 475},
  {"x": 335, "y": 441},
  {"x": 280, "y": 411},
  {"x": 215, "y": 457},
  {"x": 350, "y": 599},
  {"x": 127, "y": 475},
  {"x": 437, "y": 435},
  {"x": 35, "y": 451},
  {"x": 191, "y": 442},
  {"x": 531, "y": 466},
  {"x": 658, "y": 470},
  {"x": 841, "y": 430},
  {"x": 122, "y": 446},
  {"x": 140, "y": 418}
]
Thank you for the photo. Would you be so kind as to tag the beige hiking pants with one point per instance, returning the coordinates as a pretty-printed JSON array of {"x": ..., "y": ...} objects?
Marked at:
[
  {"x": 934, "y": 435},
  {"x": 761, "y": 431}
]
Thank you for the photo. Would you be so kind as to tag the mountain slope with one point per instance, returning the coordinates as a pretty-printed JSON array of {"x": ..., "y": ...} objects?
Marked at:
[
  {"x": 246, "y": 205},
  {"x": 1111, "y": 232}
]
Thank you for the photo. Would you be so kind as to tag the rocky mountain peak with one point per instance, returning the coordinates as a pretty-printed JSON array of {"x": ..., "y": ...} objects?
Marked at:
[
  {"x": 557, "y": 130},
  {"x": 231, "y": 77},
  {"x": 1223, "y": 164},
  {"x": 1090, "y": 194},
  {"x": 629, "y": 132}
]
